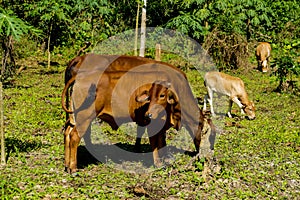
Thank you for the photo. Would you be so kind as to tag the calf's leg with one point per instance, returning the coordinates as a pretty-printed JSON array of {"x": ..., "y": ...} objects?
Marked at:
[
  {"x": 209, "y": 98},
  {"x": 240, "y": 105},
  {"x": 205, "y": 101},
  {"x": 229, "y": 108}
]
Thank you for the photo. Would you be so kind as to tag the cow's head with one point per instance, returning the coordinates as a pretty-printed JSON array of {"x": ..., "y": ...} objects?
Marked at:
[
  {"x": 160, "y": 98},
  {"x": 249, "y": 109},
  {"x": 264, "y": 66}
]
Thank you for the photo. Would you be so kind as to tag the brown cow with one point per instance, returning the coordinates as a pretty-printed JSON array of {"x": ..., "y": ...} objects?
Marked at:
[
  {"x": 107, "y": 88},
  {"x": 263, "y": 52},
  {"x": 233, "y": 87},
  {"x": 107, "y": 63}
]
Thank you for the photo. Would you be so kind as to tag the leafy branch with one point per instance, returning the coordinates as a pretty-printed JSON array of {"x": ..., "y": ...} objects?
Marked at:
[{"x": 11, "y": 28}]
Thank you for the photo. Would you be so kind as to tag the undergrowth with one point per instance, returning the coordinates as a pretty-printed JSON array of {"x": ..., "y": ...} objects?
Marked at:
[{"x": 252, "y": 159}]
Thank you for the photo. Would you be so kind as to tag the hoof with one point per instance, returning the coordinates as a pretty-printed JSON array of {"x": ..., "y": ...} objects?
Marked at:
[
  {"x": 75, "y": 174},
  {"x": 70, "y": 171}
]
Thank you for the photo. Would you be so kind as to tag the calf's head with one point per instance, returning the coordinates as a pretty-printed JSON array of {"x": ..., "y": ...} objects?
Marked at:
[
  {"x": 249, "y": 109},
  {"x": 264, "y": 66}
]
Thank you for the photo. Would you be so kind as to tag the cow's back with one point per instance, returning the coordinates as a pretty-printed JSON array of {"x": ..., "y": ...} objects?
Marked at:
[
  {"x": 116, "y": 85},
  {"x": 223, "y": 83},
  {"x": 90, "y": 62},
  {"x": 263, "y": 51}
]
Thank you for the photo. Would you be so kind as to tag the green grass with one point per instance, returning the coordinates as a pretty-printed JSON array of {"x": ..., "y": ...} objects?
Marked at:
[{"x": 253, "y": 159}]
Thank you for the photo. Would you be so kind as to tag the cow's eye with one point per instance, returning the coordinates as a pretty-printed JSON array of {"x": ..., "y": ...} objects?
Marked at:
[{"x": 162, "y": 96}]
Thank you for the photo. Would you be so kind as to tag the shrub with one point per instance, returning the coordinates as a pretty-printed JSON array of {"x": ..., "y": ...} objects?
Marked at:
[
  {"x": 229, "y": 51},
  {"x": 287, "y": 66}
]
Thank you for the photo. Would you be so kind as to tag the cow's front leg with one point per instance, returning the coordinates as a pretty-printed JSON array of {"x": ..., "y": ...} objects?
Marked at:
[
  {"x": 162, "y": 145},
  {"x": 154, "y": 145},
  {"x": 229, "y": 108},
  {"x": 140, "y": 133},
  {"x": 240, "y": 105},
  {"x": 156, "y": 132}
]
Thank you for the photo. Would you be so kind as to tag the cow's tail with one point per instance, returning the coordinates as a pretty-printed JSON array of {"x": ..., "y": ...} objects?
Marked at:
[
  {"x": 65, "y": 93},
  {"x": 86, "y": 45},
  {"x": 73, "y": 67}
]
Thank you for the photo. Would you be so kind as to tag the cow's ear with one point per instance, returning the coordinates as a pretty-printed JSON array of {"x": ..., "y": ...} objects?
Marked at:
[
  {"x": 143, "y": 97},
  {"x": 172, "y": 97}
]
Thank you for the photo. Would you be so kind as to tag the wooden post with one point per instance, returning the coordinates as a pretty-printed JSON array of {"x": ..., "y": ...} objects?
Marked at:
[
  {"x": 2, "y": 128},
  {"x": 136, "y": 30},
  {"x": 157, "y": 52}
]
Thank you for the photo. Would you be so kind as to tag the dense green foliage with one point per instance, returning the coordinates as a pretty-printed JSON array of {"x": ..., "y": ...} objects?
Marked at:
[
  {"x": 91, "y": 19},
  {"x": 227, "y": 29}
]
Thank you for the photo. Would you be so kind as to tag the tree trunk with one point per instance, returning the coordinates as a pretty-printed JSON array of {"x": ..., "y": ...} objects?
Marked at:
[
  {"x": 4, "y": 59},
  {"x": 143, "y": 30},
  {"x": 48, "y": 45},
  {"x": 248, "y": 29},
  {"x": 3, "y": 162},
  {"x": 136, "y": 30},
  {"x": 7, "y": 46}
]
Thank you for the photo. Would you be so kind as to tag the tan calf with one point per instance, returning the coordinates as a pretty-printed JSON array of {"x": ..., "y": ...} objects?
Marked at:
[{"x": 230, "y": 86}]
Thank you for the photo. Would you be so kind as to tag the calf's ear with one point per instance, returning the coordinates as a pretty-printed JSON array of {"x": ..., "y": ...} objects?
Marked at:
[
  {"x": 142, "y": 97},
  {"x": 171, "y": 97}
]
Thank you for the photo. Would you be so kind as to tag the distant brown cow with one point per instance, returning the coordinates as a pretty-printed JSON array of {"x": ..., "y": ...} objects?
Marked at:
[
  {"x": 108, "y": 87},
  {"x": 263, "y": 52}
]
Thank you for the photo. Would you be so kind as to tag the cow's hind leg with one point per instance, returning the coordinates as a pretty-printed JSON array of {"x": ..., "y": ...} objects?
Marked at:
[
  {"x": 67, "y": 132},
  {"x": 74, "y": 142}
]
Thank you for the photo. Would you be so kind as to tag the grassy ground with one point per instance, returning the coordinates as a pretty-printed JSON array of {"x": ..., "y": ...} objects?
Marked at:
[{"x": 253, "y": 159}]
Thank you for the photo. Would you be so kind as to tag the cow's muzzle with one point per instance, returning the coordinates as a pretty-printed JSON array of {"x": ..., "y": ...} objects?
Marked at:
[
  {"x": 148, "y": 115},
  {"x": 250, "y": 118}
]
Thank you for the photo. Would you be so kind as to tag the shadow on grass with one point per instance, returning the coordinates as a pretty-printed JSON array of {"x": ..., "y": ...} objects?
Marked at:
[
  {"x": 14, "y": 145},
  {"x": 121, "y": 153}
]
